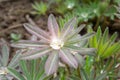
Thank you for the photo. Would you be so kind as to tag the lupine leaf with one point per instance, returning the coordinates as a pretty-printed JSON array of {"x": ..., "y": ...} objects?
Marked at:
[
  {"x": 23, "y": 65},
  {"x": 17, "y": 75},
  {"x": 33, "y": 54},
  {"x": 83, "y": 51},
  {"x": 68, "y": 27},
  {"x": 76, "y": 31},
  {"x": 84, "y": 75},
  {"x": 101, "y": 76},
  {"x": 113, "y": 49},
  {"x": 51, "y": 64},
  {"x": 84, "y": 37},
  {"x": 80, "y": 59},
  {"x": 28, "y": 43},
  {"x": 98, "y": 34},
  {"x": 36, "y": 31},
  {"x": 105, "y": 35},
  {"x": 113, "y": 37},
  {"x": 53, "y": 26},
  {"x": 68, "y": 58},
  {"x": 5, "y": 54},
  {"x": 15, "y": 60}
]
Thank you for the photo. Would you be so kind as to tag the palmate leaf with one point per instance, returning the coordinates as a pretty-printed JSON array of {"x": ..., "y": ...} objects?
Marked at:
[{"x": 31, "y": 70}]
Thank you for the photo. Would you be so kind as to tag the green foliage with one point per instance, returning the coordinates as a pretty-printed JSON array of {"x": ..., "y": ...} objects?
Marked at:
[
  {"x": 64, "y": 19},
  {"x": 40, "y": 8},
  {"x": 6, "y": 63},
  {"x": 66, "y": 6},
  {"x": 89, "y": 11},
  {"x": 93, "y": 75},
  {"x": 105, "y": 45},
  {"x": 15, "y": 37},
  {"x": 31, "y": 70},
  {"x": 83, "y": 13},
  {"x": 118, "y": 11}
]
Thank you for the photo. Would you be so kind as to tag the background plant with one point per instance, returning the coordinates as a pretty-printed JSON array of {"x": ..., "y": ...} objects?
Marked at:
[
  {"x": 40, "y": 8},
  {"x": 15, "y": 37},
  {"x": 6, "y": 62},
  {"x": 107, "y": 48},
  {"x": 30, "y": 70},
  {"x": 105, "y": 45}
]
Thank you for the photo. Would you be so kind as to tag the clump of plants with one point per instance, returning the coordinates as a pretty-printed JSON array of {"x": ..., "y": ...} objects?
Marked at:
[
  {"x": 40, "y": 8},
  {"x": 60, "y": 52},
  {"x": 59, "y": 45}
]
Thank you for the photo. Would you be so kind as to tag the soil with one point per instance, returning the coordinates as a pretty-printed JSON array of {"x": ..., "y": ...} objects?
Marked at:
[{"x": 12, "y": 17}]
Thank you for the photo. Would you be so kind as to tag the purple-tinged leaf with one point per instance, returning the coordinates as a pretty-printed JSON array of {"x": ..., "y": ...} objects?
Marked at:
[
  {"x": 28, "y": 44},
  {"x": 80, "y": 59},
  {"x": 34, "y": 24},
  {"x": 75, "y": 31},
  {"x": 53, "y": 26},
  {"x": 37, "y": 32},
  {"x": 68, "y": 58},
  {"x": 68, "y": 27},
  {"x": 86, "y": 51},
  {"x": 79, "y": 39},
  {"x": 30, "y": 20},
  {"x": 51, "y": 64},
  {"x": 35, "y": 53}
]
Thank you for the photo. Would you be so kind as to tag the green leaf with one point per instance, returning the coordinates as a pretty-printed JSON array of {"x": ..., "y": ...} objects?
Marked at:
[
  {"x": 101, "y": 76},
  {"x": 84, "y": 75},
  {"x": 16, "y": 74},
  {"x": 113, "y": 38},
  {"x": 15, "y": 60},
  {"x": 24, "y": 68},
  {"x": 113, "y": 49},
  {"x": 110, "y": 11},
  {"x": 99, "y": 34},
  {"x": 105, "y": 35},
  {"x": 5, "y": 54}
]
